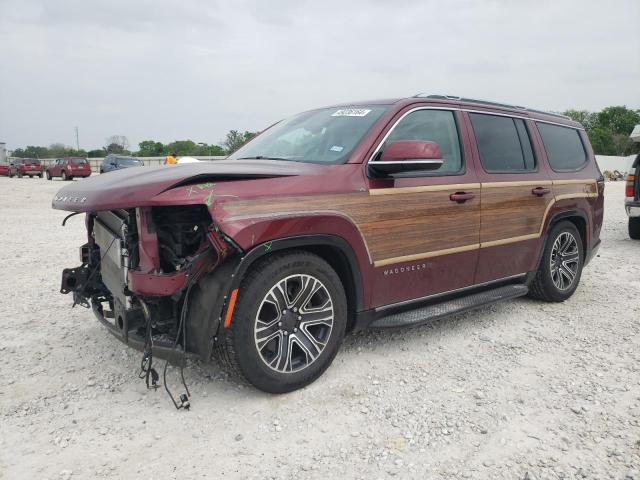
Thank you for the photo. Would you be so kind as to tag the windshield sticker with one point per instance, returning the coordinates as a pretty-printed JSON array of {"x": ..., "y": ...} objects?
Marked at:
[
  {"x": 351, "y": 112},
  {"x": 336, "y": 148}
]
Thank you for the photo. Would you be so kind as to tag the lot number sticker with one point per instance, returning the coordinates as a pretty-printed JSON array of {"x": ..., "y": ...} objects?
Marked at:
[{"x": 351, "y": 112}]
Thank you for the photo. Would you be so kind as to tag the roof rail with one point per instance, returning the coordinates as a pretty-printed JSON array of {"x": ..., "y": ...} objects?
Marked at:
[{"x": 487, "y": 102}]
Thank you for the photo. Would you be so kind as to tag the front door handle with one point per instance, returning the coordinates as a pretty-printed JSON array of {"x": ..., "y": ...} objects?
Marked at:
[
  {"x": 461, "y": 197},
  {"x": 540, "y": 191}
]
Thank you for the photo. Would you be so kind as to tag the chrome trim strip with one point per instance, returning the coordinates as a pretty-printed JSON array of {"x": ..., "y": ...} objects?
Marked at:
[
  {"x": 468, "y": 110},
  {"x": 448, "y": 292}
]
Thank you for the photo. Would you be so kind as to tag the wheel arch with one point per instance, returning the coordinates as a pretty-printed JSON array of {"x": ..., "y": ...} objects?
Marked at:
[
  {"x": 576, "y": 216},
  {"x": 579, "y": 218},
  {"x": 333, "y": 249}
]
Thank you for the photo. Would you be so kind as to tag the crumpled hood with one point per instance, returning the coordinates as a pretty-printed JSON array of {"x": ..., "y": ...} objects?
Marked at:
[{"x": 136, "y": 187}]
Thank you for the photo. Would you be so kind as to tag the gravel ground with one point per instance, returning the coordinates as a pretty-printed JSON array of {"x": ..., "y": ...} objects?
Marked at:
[{"x": 517, "y": 390}]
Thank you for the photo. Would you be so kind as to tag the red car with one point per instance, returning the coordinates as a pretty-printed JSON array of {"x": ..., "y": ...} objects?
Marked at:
[
  {"x": 68, "y": 168},
  {"x": 4, "y": 169},
  {"x": 370, "y": 215},
  {"x": 21, "y": 167}
]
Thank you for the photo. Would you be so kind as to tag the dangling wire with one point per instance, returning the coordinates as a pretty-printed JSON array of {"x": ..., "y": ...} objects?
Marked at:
[{"x": 146, "y": 364}]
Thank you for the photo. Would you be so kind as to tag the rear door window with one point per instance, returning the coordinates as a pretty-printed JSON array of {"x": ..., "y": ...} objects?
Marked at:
[
  {"x": 564, "y": 147},
  {"x": 503, "y": 143}
]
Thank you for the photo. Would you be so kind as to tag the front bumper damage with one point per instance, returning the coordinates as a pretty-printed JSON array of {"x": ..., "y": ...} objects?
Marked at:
[{"x": 122, "y": 281}]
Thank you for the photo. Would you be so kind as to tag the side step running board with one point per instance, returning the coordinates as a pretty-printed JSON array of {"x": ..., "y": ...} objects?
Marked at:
[{"x": 449, "y": 307}]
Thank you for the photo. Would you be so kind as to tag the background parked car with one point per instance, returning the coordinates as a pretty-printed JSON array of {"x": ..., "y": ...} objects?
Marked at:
[
  {"x": 4, "y": 169},
  {"x": 69, "y": 168},
  {"x": 25, "y": 166},
  {"x": 117, "y": 162},
  {"x": 632, "y": 199}
]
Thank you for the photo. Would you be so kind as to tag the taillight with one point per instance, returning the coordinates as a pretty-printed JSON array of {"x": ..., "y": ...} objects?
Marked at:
[{"x": 628, "y": 190}]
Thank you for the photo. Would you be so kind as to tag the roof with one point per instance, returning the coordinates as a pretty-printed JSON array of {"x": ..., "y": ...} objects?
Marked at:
[{"x": 472, "y": 103}]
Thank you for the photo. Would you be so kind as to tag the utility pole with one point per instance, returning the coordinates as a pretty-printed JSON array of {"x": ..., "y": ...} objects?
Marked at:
[{"x": 77, "y": 140}]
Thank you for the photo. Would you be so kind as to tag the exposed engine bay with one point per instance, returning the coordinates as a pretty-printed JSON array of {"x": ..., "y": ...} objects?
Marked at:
[{"x": 137, "y": 273}]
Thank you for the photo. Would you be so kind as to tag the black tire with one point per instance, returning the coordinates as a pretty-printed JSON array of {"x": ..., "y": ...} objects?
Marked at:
[
  {"x": 548, "y": 284},
  {"x": 48, "y": 175},
  {"x": 40, "y": 176},
  {"x": 634, "y": 228},
  {"x": 63, "y": 176},
  {"x": 239, "y": 347}
]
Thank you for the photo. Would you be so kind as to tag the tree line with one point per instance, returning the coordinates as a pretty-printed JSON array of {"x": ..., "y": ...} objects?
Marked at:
[
  {"x": 119, "y": 144},
  {"x": 609, "y": 129},
  {"x": 608, "y": 132}
]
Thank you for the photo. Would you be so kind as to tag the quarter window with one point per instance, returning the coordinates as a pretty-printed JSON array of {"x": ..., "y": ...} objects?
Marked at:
[
  {"x": 437, "y": 126},
  {"x": 503, "y": 143},
  {"x": 564, "y": 147}
]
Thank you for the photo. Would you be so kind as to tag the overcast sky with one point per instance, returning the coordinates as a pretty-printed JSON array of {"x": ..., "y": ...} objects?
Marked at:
[{"x": 166, "y": 70}]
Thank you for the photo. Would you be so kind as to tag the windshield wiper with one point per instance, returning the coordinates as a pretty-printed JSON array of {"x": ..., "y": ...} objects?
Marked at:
[{"x": 262, "y": 157}]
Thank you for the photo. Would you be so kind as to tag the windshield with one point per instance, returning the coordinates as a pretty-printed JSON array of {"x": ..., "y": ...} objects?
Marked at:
[
  {"x": 78, "y": 161},
  {"x": 129, "y": 161},
  {"x": 328, "y": 135},
  {"x": 32, "y": 162}
]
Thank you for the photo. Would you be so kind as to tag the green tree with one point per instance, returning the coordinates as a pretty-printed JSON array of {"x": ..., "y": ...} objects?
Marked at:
[
  {"x": 113, "y": 148},
  {"x": 601, "y": 140},
  {"x": 95, "y": 153},
  {"x": 151, "y": 148},
  {"x": 182, "y": 147},
  {"x": 619, "y": 120},
  {"x": 586, "y": 118},
  {"x": 235, "y": 139},
  {"x": 204, "y": 149},
  {"x": 31, "y": 152}
]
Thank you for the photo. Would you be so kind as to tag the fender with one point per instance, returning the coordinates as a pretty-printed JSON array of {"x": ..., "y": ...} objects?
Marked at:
[
  {"x": 211, "y": 300},
  {"x": 332, "y": 229}
]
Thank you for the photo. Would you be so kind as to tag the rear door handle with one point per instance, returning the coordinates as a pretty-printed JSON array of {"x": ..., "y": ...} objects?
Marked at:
[
  {"x": 540, "y": 191},
  {"x": 461, "y": 197}
]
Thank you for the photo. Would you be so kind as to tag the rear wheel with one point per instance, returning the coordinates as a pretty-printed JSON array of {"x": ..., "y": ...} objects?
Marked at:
[
  {"x": 634, "y": 228},
  {"x": 289, "y": 322},
  {"x": 561, "y": 266}
]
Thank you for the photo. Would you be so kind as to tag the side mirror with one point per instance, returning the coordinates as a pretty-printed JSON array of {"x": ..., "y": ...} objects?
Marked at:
[{"x": 407, "y": 156}]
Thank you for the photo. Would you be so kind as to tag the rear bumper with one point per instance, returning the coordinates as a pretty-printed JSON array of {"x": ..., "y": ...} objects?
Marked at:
[{"x": 632, "y": 209}]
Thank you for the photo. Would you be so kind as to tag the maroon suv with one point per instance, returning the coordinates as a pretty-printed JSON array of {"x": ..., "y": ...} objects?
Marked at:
[
  {"x": 68, "y": 168},
  {"x": 377, "y": 214},
  {"x": 22, "y": 167}
]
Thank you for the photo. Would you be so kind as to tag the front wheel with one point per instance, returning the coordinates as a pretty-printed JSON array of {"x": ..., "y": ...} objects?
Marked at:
[
  {"x": 634, "y": 228},
  {"x": 48, "y": 175},
  {"x": 289, "y": 322},
  {"x": 63, "y": 175},
  {"x": 559, "y": 271}
]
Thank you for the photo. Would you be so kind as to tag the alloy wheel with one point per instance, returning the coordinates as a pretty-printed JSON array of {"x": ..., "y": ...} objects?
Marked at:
[
  {"x": 293, "y": 323},
  {"x": 565, "y": 261}
]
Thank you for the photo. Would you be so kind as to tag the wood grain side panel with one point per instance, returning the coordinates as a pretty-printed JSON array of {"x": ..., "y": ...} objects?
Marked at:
[
  {"x": 406, "y": 224},
  {"x": 432, "y": 223},
  {"x": 509, "y": 212},
  {"x": 563, "y": 189}
]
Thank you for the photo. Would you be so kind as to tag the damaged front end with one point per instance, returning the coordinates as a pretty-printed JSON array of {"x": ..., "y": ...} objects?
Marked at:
[{"x": 144, "y": 268}]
